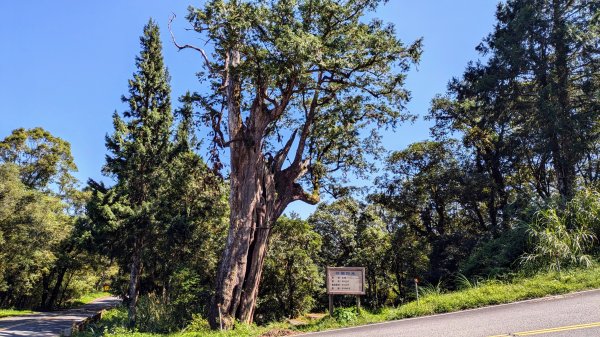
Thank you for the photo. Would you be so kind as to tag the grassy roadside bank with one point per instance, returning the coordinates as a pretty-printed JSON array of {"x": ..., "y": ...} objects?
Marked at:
[
  {"x": 13, "y": 312},
  {"x": 472, "y": 296}
]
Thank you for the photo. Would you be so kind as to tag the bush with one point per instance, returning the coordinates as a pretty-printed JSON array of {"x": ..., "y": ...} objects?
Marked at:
[
  {"x": 345, "y": 315},
  {"x": 498, "y": 256},
  {"x": 198, "y": 324},
  {"x": 188, "y": 294},
  {"x": 563, "y": 233},
  {"x": 113, "y": 321}
]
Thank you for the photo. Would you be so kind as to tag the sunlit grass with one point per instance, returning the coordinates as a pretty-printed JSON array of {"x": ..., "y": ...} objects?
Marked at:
[
  {"x": 12, "y": 312},
  {"x": 87, "y": 298}
]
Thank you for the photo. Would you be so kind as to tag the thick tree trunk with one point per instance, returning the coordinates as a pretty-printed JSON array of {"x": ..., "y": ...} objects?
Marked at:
[
  {"x": 260, "y": 191},
  {"x": 134, "y": 282},
  {"x": 252, "y": 215}
]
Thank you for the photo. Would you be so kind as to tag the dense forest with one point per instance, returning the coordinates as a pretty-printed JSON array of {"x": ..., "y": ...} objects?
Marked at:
[{"x": 192, "y": 223}]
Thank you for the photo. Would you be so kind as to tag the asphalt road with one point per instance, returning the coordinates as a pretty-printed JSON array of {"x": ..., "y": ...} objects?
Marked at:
[
  {"x": 573, "y": 315},
  {"x": 50, "y": 324}
]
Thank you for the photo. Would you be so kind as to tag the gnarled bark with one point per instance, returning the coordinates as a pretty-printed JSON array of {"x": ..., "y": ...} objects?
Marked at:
[{"x": 255, "y": 206}]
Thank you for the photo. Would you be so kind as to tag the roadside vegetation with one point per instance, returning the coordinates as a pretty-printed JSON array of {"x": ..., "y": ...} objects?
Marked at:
[
  {"x": 12, "y": 312},
  {"x": 434, "y": 300},
  {"x": 501, "y": 204}
]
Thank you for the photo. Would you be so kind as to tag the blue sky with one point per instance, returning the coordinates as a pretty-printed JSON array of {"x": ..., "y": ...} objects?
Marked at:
[{"x": 64, "y": 64}]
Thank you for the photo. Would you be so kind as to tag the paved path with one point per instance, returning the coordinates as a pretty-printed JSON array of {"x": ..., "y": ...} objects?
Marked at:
[
  {"x": 50, "y": 324},
  {"x": 573, "y": 315}
]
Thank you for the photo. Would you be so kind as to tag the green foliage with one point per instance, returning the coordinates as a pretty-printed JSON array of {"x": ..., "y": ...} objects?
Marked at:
[
  {"x": 187, "y": 294},
  {"x": 32, "y": 227},
  {"x": 497, "y": 257},
  {"x": 139, "y": 148},
  {"x": 463, "y": 282},
  {"x": 515, "y": 115},
  {"x": 486, "y": 293},
  {"x": 584, "y": 212},
  {"x": 163, "y": 220},
  {"x": 198, "y": 324},
  {"x": 43, "y": 159},
  {"x": 312, "y": 76},
  {"x": 432, "y": 289},
  {"x": 345, "y": 315},
  {"x": 409, "y": 260},
  {"x": 113, "y": 323},
  {"x": 155, "y": 314},
  {"x": 564, "y": 236},
  {"x": 301, "y": 52},
  {"x": 291, "y": 278},
  {"x": 336, "y": 223},
  {"x": 139, "y": 156},
  {"x": 354, "y": 234},
  {"x": 374, "y": 251},
  {"x": 46, "y": 207},
  {"x": 519, "y": 111},
  {"x": 424, "y": 191}
]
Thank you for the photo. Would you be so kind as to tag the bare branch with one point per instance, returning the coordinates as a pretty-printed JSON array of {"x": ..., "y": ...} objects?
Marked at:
[{"x": 188, "y": 46}]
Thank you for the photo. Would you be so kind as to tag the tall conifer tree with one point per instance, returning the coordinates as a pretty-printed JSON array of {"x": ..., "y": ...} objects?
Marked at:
[{"x": 139, "y": 150}]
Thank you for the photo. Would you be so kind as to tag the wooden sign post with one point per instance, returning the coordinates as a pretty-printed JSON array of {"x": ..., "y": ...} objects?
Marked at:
[
  {"x": 345, "y": 281},
  {"x": 417, "y": 289}
]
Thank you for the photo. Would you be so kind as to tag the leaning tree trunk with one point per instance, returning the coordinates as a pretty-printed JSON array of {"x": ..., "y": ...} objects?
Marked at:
[
  {"x": 252, "y": 214},
  {"x": 50, "y": 303}
]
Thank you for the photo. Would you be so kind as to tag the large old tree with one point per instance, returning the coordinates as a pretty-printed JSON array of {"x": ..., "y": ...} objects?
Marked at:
[{"x": 298, "y": 90}]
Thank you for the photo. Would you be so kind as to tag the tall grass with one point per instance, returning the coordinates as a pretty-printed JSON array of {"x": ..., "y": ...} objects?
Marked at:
[{"x": 556, "y": 244}]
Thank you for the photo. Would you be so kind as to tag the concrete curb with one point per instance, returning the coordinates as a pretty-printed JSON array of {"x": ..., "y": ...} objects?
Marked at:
[{"x": 80, "y": 326}]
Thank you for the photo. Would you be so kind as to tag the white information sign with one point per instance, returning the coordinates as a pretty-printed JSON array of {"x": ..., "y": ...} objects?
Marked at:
[{"x": 346, "y": 280}]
